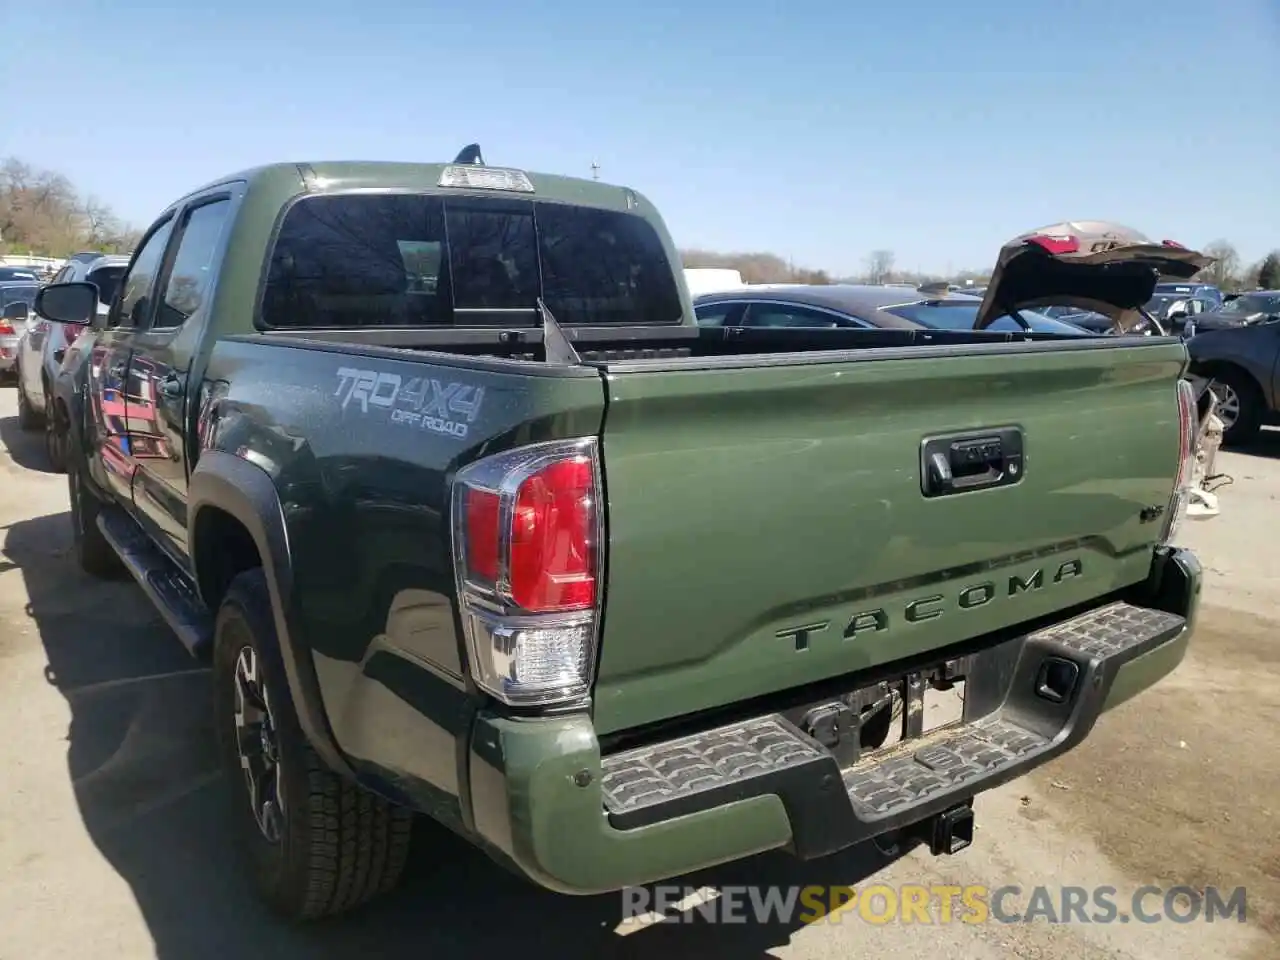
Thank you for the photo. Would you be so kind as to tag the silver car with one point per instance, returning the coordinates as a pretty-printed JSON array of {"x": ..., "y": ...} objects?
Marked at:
[
  {"x": 41, "y": 350},
  {"x": 13, "y": 322}
]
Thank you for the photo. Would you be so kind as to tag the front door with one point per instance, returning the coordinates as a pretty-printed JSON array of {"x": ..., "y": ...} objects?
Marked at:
[
  {"x": 109, "y": 437},
  {"x": 160, "y": 368}
]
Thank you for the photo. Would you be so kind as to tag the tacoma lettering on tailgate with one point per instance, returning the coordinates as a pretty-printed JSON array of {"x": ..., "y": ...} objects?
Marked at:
[
  {"x": 422, "y": 403},
  {"x": 932, "y": 607}
]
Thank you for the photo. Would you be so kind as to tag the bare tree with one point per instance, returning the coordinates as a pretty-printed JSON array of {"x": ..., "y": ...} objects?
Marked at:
[
  {"x": 879, "y": 266},
  {"x": 1269, "y": 271},
  {"x": 1226, "y": 264},
  {"x": 757, "y": 267},
  {"x": 41, "y": 213}
]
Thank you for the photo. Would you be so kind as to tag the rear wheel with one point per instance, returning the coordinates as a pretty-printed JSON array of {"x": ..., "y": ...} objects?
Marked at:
[
  {"x": 317, "y": 843},
  {"x": 1240, "y": 406},
  {"x": 28, "y": 419},
  {"x": 95, "y": 553},
  {"x": 57, "y": 440}
]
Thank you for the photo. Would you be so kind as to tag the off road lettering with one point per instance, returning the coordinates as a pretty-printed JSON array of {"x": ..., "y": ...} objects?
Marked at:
[{"x": 447, "y": 408}]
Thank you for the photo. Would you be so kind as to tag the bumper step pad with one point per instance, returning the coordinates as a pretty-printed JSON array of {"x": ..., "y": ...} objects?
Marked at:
[{"x": 770, "y": 755}]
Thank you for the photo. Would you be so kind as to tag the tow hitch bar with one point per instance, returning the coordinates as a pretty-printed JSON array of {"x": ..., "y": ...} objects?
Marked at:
[{"x": 950, "y": 831}]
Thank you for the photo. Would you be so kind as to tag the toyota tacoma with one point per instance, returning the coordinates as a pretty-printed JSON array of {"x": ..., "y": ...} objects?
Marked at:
[{"x": 473, "y": 520}]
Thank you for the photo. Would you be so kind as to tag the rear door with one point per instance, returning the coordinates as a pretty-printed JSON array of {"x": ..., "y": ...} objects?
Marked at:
[
  {"x": 113, "y": 462},
  {"x": 160, "y": 368}
]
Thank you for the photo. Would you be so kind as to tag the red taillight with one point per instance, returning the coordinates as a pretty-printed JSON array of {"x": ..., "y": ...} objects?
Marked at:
[
  {"x": 1056, "y": 245},
  {"x": 552, "y": 564},
  {"x": 528, "y": 554},
  {"x": 6, "y": 329},
  {"x": 482, "y": 531},
  {"x": 1186, "y": 431}
]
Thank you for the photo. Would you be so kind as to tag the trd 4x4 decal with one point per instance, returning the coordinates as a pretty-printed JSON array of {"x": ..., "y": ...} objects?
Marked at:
[{"x": 448, "y": 408}]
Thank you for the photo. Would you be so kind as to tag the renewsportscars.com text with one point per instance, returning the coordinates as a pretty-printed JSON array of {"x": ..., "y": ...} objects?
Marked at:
[{"x": 933, "y": 904}]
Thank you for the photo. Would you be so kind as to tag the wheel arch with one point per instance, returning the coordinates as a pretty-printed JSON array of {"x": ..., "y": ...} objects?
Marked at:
[{"x": 234, "y": 519}]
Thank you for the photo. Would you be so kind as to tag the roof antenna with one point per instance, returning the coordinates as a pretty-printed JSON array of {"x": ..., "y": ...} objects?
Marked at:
[
  {"x": 557, "y": 345},
  {"x": 470, "y": 154}
]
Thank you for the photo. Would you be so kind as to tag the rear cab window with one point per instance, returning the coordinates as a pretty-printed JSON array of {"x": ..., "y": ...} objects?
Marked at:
[{"x": 413, "y": 260}]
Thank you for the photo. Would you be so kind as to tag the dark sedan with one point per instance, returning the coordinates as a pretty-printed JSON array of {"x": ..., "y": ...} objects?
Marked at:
[
  {"x": 1244, "y": 363},
  {"x": 1245, "y": 309},
  {"x": 11, "y": 274},
  {"x": 852, "y": 305}
]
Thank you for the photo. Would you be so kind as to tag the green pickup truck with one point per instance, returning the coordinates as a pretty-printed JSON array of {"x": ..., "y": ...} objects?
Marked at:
[{"x": 472, "y": 520}]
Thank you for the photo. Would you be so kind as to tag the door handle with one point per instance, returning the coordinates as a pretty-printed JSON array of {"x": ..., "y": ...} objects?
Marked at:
[
  {"x": 955, "y": 464},
  {"x": 171, "y": 387}
]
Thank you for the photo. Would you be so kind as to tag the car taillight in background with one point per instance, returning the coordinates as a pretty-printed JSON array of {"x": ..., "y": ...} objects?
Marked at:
[
  {"x": 1187, "y": 417},
  {"x": 6, "y": 329},
  {"x": 527, "y": 542}
]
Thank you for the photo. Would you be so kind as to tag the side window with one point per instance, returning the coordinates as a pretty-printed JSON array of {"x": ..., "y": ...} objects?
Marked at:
[
  {"x": 133, "y": 304},
  {"x": 779, "y": 315},
  {"x": 63, "y": 275},
  {"x": 188, "y": 281},
  {"x": 718, "y": 314}
]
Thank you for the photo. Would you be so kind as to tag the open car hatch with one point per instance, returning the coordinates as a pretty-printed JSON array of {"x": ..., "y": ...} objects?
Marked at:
[{"x": 1091, "y": 264}]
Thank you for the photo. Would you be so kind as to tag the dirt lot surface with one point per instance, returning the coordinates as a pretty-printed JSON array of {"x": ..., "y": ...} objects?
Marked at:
[{"x": 113, "y": 823}]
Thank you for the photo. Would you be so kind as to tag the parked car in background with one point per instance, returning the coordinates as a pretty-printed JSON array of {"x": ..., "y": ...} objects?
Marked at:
[
  {"x": 16, "y": 299},
  {"x": 1244, "y": 363},
  {"x": 9, "y": 274},
  {"x": 1174, "y": 310},
  {"x": 41, "y": 351},
  {"x": 1241, "y": 310},
  {"x": 855, "y": 305},
  {"x": 1085, "y": 319},
  {"x": 1200, "y": 291}
]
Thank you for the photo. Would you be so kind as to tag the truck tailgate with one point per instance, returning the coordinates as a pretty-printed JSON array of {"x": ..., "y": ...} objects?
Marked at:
[{"x": 768, "y": 528}]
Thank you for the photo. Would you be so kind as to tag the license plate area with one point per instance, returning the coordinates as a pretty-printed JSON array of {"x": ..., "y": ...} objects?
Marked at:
[{"x": 874, "y": 719}]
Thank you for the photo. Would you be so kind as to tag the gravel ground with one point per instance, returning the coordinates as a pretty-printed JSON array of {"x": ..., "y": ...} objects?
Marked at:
[{"x": 113, "y": 837}]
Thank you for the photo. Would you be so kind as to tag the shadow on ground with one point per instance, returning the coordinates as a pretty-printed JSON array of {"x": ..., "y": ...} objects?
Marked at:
[
  {"x": 1267, "y": 444},
  {"x": 26, "y": 447},
  {"x": 145, "y": 776}
]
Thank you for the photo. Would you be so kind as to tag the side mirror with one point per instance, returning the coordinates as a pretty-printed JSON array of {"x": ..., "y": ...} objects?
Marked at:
[
  {"x": 73, "y": 303},
  {"x": 1178, "y": 315},
  {"x": 18, "y": 310}
]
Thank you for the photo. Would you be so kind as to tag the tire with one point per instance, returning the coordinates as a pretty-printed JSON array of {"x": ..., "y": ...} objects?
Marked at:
[
  {"x": 327, "y": 845},
  {"x": 96, "y": 556},
  {"x": 1249, "y": 403},
  {"x": 28, "y": 419},
  {"x": 57, "y": 441}
]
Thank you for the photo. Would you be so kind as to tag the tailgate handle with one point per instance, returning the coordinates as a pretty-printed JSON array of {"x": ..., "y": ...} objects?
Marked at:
[{"x": 972, "y": 461}]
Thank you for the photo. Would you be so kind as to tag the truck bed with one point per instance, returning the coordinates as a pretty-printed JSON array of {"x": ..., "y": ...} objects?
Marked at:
[{"x": 766, "y": 525}]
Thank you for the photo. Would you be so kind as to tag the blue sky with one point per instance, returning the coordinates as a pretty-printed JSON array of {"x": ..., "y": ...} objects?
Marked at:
[{"x": 934, "y": 128}]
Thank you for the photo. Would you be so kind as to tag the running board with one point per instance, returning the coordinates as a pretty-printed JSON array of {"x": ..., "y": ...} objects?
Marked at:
[{"x": 171, "y": 590}]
